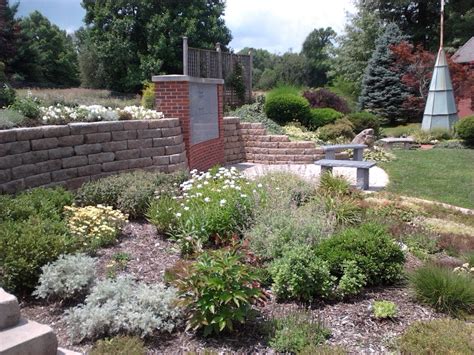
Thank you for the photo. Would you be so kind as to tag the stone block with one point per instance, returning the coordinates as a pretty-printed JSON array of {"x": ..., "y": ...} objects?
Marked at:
[
  {"x": 63, "y": 152},
  {"x": 5, "y": 176},
  {"x": 83, "y": 128},
  {"x": 140, "y": 143},
  {"x": 9, "y": 310},
  {"x": 162, "y": 142},
  {"x": 35, "y": 156},
  {"x": 13, "y": 186},
  {"x": 135, "y": 124},
  {"x": 44, "y": 143},
  {"x": 115, "y": 166},
  {"x": 37, "y": 180},
  {"x": 109, "y": 126},
  {"x": 279, "y": 138},
  {"x": 161, "y": 160},
  {"x": 169, "y": 132},
  {"x": 148, "y": 133},
  {"x": 174, "y": 149},
  {"x": 114, "y": 146},
  {"x": 49, "y": 165},
  {"x": 69, "y": 141},
  {"x": 10, "y": 161},
  {"x": 7, "y": 135},
  {"x": 152, "y": 152},
  {"x": 101, "y": 158},
  {"x": 124, "y": 135},
  {"x": 177, "y": 139},
  {"x": 127, "y": 154},
  {"x": 24, "y": 170},
  {"x": 75, "y": 161},
  {"x": 29, "y": 133},
  {"x": 64, "y": 174},
  {"x": 140, "y": 163},
  {"x": 98, "y": 138},
  {"x": 89, "y": 170},
  {"x": 62, "y": 351},
  {"x": 177, "y": 158},
  {"x": 17, "y": 147},
  {"x": 87, "y": 149},
  {"x": 28, "y": 337},
  {"x": 56, "y": 131},
  {"x": 77, "y": 182},
  {"x": 164, "y": 123}
]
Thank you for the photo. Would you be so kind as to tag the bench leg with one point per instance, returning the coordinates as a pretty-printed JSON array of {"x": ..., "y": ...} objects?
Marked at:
[
  {"x": 358, "y": 154},
  {"x": 330, "y": 155},
  {"x": 362, "y": 178}
]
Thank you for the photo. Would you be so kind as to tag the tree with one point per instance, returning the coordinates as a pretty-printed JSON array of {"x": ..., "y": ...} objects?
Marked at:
[
  {"x": 45, "y": 54},
  {"x": 316, "y": 49},
  {"x": 134, "y": 39},
  {"x": 292, "y": 69},
  {"x": 263, "y": 61},
  {"x": 355, "y": 49},
  {"x": 383, "y": 92},
  {"x": 9, "y": 31}
]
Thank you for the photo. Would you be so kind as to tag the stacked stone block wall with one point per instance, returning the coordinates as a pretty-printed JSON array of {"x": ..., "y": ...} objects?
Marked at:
[
  {"x": 70, "y": 155},
  {"x": 250, "y": 142}
]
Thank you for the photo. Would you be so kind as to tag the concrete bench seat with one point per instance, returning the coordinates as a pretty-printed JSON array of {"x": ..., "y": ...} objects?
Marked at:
[
  {"x": 361, "y": 166},
  {"x": 389, "y": 142},
  {"x": 330, "y": 150}
]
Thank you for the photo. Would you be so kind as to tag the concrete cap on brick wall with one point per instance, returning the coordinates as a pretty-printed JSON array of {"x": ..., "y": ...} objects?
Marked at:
[{"x": 192, "y": 79}]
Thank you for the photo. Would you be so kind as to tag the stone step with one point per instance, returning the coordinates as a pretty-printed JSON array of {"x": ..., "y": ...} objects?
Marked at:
[
  {"x": 9, "y": 310},
  {"x": 28, "y": 338}
]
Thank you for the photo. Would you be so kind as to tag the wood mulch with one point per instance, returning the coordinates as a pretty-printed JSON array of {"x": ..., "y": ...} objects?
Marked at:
[{"x": 350, "y": 322}]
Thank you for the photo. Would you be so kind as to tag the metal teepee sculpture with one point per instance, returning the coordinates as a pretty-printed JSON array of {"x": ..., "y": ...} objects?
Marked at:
[{"x": 440, "y": 109}]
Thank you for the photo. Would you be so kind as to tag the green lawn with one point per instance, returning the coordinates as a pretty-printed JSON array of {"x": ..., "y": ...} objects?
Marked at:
[{"x": 445, "y": 175}]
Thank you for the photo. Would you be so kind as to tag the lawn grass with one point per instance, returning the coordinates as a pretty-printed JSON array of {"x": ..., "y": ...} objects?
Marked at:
[{"x": 444, "y": 175}]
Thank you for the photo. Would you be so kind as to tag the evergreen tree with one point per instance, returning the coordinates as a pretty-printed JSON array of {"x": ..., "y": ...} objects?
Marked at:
[
  {"x": 383, "y": 92},
  {"x": 316, "y": 48},
  {"x": 9, "y": 31}
]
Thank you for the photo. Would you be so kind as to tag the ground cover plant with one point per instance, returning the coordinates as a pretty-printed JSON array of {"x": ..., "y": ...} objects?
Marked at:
[{"x": 120, "y": 345}]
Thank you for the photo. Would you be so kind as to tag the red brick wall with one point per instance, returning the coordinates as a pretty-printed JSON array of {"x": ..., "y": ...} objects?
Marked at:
[{"x": 172, "y": 98}]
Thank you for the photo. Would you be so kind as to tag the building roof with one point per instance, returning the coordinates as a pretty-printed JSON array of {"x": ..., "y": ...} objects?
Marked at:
[{"x": 465, "y": 54}]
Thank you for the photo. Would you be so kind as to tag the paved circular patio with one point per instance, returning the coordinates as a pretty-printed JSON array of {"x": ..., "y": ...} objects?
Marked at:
[{"x": 378, "y": 178}]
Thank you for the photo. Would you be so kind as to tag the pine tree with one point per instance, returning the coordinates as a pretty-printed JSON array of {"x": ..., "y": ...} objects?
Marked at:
[{"x": 383, "y": 92}]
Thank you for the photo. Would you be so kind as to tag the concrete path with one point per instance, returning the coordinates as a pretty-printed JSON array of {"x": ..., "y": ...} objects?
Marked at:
[{"x": 378, "y": 178}]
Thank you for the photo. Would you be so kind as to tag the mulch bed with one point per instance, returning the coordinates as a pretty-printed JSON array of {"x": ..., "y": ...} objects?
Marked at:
[{"x": 350, "y": 322}]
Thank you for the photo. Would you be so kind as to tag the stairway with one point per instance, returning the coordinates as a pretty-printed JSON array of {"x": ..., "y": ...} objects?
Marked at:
[{"x": 19, "y": 336}]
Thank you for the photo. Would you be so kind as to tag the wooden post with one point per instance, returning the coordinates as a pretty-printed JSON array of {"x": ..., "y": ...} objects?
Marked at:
[
  {"x": 185, "y": 56},
  {"x": 219, "y": 61},
  {"x": 208, "y": 63},
  {"x": 198, "y": 58},
  {"x": 250, "y": 75}
]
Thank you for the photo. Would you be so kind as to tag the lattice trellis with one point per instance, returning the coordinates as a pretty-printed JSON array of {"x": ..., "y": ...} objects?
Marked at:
[{"x": 205, "y": 63}]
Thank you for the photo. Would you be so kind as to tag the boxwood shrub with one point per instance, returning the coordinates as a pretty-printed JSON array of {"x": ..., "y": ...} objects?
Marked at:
[
  {"x": 465, "y": 130},
  {"x": 284, "y": 108},
  {"x": 363, "y": 120},
  {"x": 341, "y": 128},
  {"x": 323, "y": 116},
  {"x": 376, "y": 254}
]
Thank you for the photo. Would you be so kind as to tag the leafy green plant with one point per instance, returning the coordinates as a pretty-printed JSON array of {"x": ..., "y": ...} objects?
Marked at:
[
  {"x": 217, "y": 290},
  {"x": 236, "y": 81},
  {"x": 148, "y": 96},
  {"x": 465, "y": 130},
  {"x": 121, "y": 305},
  {"x": 296, "y": 332},
  {"x": 10, "y": 119},
  {"x": 284, "y": 108},
  {"x": 363, "y": 120},
  {"x": 444, "y": 290},
  {"x": 66, "y": 278},
  {"x": 376, "y": 254},
  {"x": 300, "y": 275},
  {"x": 441, "y": 134},
  {"x": 120, "y": 345},
  {"x": 323, "y": 116},
  {"x": 384, "y": 309},
  {"x": 118, "y": 263},
  {"x": 450, "y": 144},
  {"x": 440, "y": 336},
  {"x": 27, "y": 106},
  {"x": 334, "y": 185},
  {"x": 351, "y": 282},
  {"x": 345, "y": 211},
  {"x": 340, "y": 128}
]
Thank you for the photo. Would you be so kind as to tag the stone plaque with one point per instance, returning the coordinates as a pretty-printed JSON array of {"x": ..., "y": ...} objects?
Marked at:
[{"x": 203, "y": 112}]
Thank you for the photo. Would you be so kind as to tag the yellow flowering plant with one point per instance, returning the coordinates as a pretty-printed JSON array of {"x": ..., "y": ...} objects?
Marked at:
[{"x": 94, "y": 226}]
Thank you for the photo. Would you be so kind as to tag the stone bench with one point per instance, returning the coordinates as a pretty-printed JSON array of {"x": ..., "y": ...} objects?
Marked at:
[
  {"x": 330, "y": 150},
  {"x": 362, "y": 167},
  {"x": 389, "y": 142}
]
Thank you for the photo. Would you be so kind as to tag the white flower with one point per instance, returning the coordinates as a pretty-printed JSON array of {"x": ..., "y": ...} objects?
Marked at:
[
  {"x": 259, "y": 185},
  {"x": 207, "y": 199},
  {"x": 178, "y": 214},
  {"x": 186, "y": 208},
  {"x": 222, "y": 202},
  {"x": 243, "y": 195}
]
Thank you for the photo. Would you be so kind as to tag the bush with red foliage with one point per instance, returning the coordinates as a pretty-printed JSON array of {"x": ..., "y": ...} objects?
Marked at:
[{"x": 322, "y": 98}]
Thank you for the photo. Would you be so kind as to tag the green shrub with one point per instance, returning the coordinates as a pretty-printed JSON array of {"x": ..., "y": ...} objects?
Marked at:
[
  {"x": 68, "y": 277},
  {"x": 7, "y": 95},
  {"x": 217, "y": 290},
  {"x": 131, "y": 193},
  {"x": 299, "y": 275},
  {"x": 285, "y": 108},
  {"x": 465, "y": 130},
  {"x": 323, "y": 116},
  {"x": 351, "y": 282},
  {"x": 334, "y": 185},
  {"x": 344, "y": 210},
  {"x": 121, "y": 345},
  {"x": 363, "y": 120},
  {"x": 10, "y": 119},
  {"x": 25, "y": 246},
  {"x": 340, "y": 128},
  {"x": 148, "y": 96},
  {"x": 297, "y": 332},
  {"x": 437, "y": 337},
  {"x": 384, "y": 309},
  {"x": 441, "y": 134},
  {"x": 321, "y": 98},
  {"x": 376, "y": 254},
  {"x": 444, "y": 290},
  {"x": 122, "y": 305},
  {"x": 28, "y": 107},
  {"x": 450, "y": 144},
  {"x": 401, "y": 131}
]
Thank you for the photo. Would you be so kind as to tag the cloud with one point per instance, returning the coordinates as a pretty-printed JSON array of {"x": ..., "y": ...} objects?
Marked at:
[{"x": 278, "y": 25}]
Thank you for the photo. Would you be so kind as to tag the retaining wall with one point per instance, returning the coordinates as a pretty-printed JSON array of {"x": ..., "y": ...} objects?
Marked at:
[
  {"x": 72, "y": 154},
  {"x": 250, "y": 142}
]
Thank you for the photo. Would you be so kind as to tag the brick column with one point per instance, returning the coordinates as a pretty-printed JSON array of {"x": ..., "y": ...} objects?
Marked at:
[{"x": 172, "y": 97}]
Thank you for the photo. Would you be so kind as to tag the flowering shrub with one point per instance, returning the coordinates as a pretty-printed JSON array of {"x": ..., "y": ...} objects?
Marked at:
[
  {"x": 465, "y": 269},
  {"x": 214, "y": 205},
  {"x": 60, "y": 114},
  {"x": 94, "y": 226}
]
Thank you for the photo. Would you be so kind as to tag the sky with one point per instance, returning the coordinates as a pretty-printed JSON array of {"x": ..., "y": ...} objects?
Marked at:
[{"x": 275, "y": 25}]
